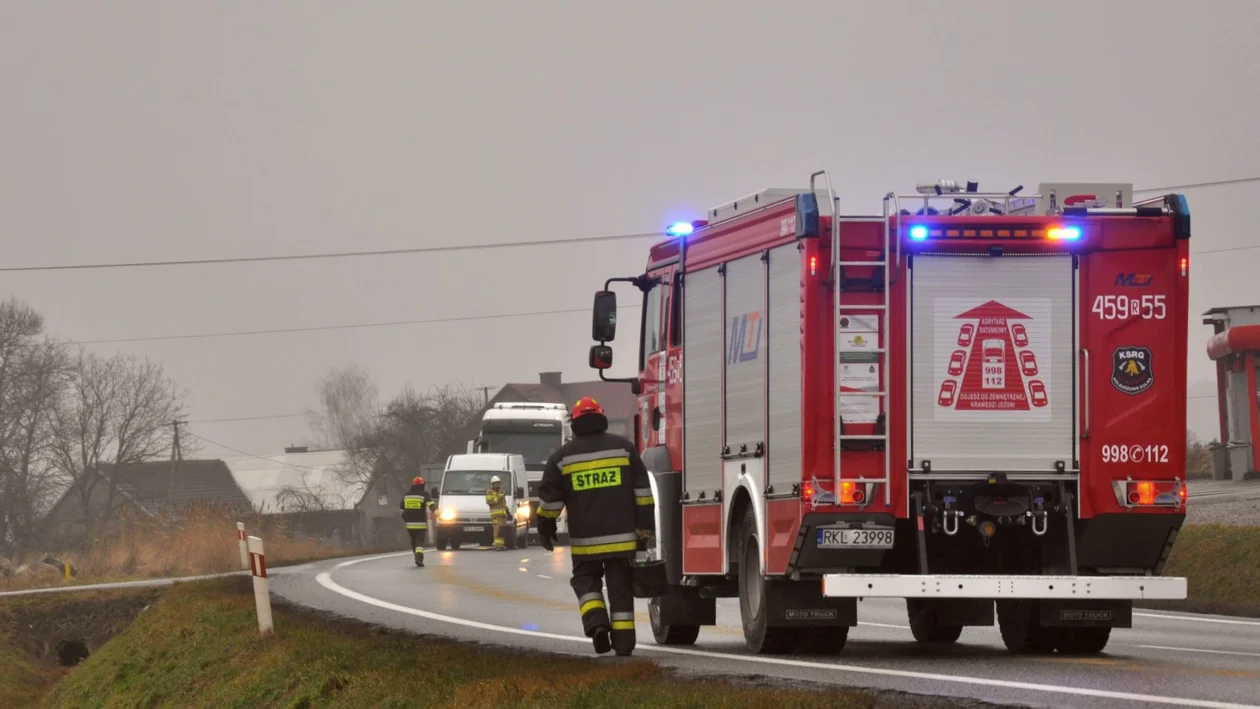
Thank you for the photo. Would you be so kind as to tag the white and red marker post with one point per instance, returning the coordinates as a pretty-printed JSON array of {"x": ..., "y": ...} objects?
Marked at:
[
  {"x": 240, "y": 539},
  {"x": 262, "y": 594}
]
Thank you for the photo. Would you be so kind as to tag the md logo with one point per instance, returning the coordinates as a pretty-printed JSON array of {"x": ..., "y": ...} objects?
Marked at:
[
  {"x": 745, "y": 342},
  {"x": 1133, "y": 280}
]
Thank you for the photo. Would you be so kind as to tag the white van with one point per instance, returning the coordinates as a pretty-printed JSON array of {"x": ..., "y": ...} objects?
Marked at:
[{"x": 462, "y": 513}]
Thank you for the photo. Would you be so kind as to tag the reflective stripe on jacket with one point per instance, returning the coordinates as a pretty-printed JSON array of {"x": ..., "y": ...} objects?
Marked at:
[
  {"x": 413, "y": 506},
  {"x": 602, "y": 481}
]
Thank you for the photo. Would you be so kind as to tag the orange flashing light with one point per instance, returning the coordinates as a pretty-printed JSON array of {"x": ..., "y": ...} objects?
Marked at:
[
  {"x": 813, "y": 265},
  {"x": 1185, "y": 265},
  {"x": 807, "y": 492}
]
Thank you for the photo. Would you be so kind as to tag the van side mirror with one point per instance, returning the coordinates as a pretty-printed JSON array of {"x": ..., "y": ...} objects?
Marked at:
[
  {"x": 604, "y": 320},
  {"x": 601, "y": 357}
]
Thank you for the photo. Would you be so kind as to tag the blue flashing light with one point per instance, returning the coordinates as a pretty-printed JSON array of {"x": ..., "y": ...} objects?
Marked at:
[
  {"x": 680, "y": 229},
  {"x": 918, "y": 233},
  {"x": 1071, "y": 233}
]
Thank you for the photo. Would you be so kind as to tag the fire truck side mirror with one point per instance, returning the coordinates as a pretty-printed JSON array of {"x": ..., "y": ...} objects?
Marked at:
[
  {"x": 601, "y": 357},
  {"x": 604, "y": 322}
]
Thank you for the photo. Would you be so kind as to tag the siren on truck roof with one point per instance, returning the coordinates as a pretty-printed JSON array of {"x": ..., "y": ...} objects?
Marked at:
[{"x": 681, "y": 229}]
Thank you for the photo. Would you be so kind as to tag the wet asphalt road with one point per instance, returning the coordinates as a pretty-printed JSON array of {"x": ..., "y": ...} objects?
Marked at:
[{"x": 522, "y": 598}]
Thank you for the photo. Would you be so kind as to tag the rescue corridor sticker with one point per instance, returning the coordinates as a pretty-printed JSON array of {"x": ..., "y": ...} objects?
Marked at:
[
  {"x": 992, "y": 359},
  {"x": 591, "y": 479}
]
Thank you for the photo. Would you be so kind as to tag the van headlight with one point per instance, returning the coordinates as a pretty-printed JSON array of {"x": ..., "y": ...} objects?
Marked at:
[
  {"x": 446, "y": 515},
  {"x": 522, "y": 512}
]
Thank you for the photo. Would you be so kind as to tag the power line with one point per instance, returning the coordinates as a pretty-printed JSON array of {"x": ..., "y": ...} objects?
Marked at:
[
  {"x": 249, "y": 418},
  {"x": 455, "y": 247},
  {"x": 272, "y": 459},
  {"x": 353, "y": 326},
  {"x": 333, "y": 255},
  {"x": 1198, "y": 185}
]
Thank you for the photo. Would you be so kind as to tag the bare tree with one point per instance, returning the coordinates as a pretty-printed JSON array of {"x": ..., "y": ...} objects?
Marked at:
[
  {"x": 349, "y": 400},
  {"x": 32, "y": 372},
  {"x": 306, "y": 496},
  {"x": 115, "y": 413}
]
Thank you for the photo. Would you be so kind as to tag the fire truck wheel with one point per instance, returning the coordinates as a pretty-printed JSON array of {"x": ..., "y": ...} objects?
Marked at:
[
  {"x": 760, "y": 638},
  {"x": 926, "y": 627},
  {"x": 670, "y": 634},
  {"x": 1082, "y": 641},
  {"x": 1020, "y": 625}
]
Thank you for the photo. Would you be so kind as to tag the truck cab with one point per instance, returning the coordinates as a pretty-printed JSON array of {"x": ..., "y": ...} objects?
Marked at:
[{"x": 462, "y": 513}]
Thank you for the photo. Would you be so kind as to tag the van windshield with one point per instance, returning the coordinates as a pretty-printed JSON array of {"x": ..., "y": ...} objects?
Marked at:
[{"x": 470, "y": 482}]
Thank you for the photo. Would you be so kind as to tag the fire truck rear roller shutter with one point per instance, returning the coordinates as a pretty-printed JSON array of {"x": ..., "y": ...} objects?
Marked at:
[{"x": 991, "y": 416}]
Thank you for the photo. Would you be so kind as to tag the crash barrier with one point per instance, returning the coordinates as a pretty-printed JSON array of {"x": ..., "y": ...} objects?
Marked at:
[
  {"x": 262, "y": 593},
  {"x": 240, "y": 538}
]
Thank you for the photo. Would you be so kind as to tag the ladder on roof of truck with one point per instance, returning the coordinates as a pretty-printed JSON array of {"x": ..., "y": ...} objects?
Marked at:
[{"x": 878, "y": 440}]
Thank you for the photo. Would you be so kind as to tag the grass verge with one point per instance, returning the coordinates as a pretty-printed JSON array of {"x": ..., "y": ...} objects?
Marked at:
[
  {"x": 199, "y": 647},
  {"x": 201, "y": 540},
  {"x": 1221, "y": 564}
]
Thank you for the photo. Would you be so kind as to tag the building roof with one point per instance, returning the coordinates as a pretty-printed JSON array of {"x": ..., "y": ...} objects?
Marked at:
[
  {"x": 150, "y": 484},
  {"x": 264, "y": 478}
]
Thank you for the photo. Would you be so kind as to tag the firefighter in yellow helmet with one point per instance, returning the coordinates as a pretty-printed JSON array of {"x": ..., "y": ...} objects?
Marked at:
[
  {"x": 497, "y": 502},
  {"x": 415, "y": 506},
  {"x": 602, "y": 481}
]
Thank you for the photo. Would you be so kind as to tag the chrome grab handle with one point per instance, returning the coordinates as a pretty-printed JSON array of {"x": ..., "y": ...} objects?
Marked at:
[{"x": 1085, "y": 379}]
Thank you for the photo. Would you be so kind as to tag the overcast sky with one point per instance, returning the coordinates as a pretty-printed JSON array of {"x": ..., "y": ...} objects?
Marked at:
[{"x": 158, "y": 130}]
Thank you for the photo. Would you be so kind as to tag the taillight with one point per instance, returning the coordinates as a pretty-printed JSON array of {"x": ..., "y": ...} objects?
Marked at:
[
  {"x": 1150, "y": 493},
  {"x": 807, "y": 492},
  {"x": 851, "y": 494}
]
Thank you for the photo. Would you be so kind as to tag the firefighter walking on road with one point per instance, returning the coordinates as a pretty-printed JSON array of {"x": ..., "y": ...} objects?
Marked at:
[
  {"x": 602, "y": 481},
  {"x": 415, "y": 506},
  {"x": 497, "y": 502}
]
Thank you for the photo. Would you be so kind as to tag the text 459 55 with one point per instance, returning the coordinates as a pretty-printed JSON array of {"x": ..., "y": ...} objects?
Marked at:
[
  {"x": 1136, "y": 453},
  {"x": 1122, "y": 307}
]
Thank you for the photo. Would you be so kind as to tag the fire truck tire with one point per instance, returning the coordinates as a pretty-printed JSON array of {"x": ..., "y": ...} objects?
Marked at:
[
  {"x": 1020, "y": 625},
  {"x": 1082, "y": 641},
  {"x": 670, "y": 634},
  {"x": 925, "y": 626},
  {"x": 759, "y": 636}
]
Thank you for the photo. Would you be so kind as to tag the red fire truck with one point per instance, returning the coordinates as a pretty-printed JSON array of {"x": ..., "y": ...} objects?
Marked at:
[{"x": 1003, "y": 377}]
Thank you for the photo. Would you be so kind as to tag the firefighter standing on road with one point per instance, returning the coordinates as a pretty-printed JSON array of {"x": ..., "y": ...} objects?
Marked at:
[
  {"x": 601, "y": 479},
  {"x": 415, "y": 506},
  {"x": 497, "y": 502}
]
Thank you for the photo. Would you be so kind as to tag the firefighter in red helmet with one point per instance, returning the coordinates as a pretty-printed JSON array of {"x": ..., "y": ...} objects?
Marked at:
[
  {"x": 602, "y": 481},
  {"x": 415, "y": 506}
]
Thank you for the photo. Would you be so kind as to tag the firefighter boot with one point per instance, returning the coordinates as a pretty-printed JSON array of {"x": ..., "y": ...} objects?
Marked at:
[
  {"x": 419, "y": 556},
  {"x": 588, "y": 586},
  {"x": 620, "y": 579}
]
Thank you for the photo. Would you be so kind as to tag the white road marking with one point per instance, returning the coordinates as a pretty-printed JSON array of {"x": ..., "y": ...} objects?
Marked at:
[
  {"x": 885, "y": 625},
  {"x": 543, "y": 576},
  {"x": 1193, "y": 649},
  {"x": 325, "y": 579},
  {"x": 1197, "y": 619}
]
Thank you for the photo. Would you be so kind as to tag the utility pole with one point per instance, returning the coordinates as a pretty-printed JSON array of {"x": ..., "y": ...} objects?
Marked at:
[
  {"x": 177, "y": 454},
  {"x": 486, "y": 391}
]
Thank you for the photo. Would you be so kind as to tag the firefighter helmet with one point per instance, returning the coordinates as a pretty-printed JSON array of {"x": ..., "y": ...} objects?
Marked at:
[
  {"x": 417, "y": 480},
  {"x": 494, "y": 480},
  {"x": 586, "y": 406}
]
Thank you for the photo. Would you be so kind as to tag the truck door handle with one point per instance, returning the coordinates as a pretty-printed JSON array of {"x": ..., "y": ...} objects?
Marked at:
[{"x": 1085, "y": 379}]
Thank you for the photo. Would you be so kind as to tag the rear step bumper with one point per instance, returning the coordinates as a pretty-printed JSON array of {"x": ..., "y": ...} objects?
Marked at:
[{"x": 1163, "y": 588}]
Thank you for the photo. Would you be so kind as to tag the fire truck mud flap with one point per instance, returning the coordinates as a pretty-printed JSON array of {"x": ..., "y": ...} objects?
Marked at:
[
  {"x": 797, "y": 604},
  {"x": 1111, "y": 588}
]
